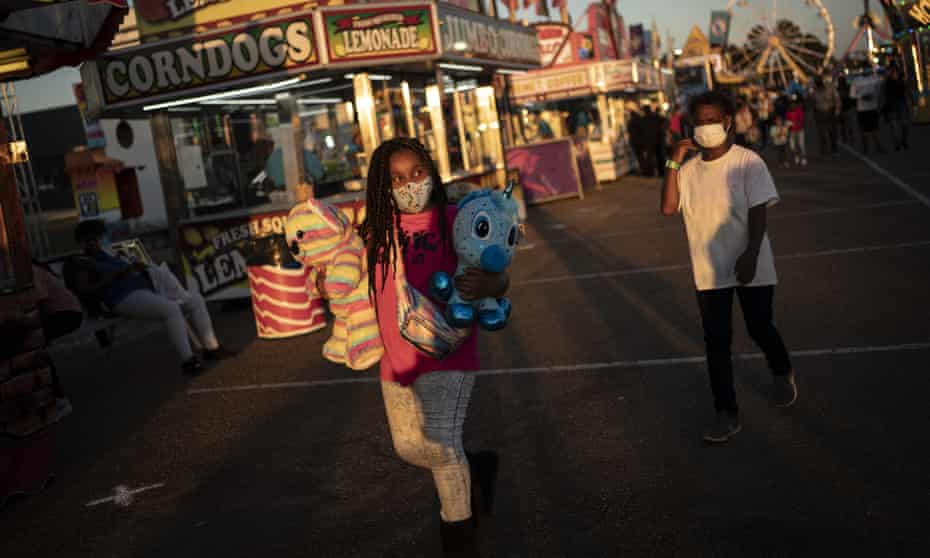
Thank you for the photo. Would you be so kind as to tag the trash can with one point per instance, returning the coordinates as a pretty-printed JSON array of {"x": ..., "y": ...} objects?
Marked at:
[{"x": 284, "y": 302}]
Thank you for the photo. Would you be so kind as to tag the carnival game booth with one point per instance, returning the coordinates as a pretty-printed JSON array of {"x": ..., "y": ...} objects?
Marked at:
[
  {"x": 255, "y": 105},
  {"x": 583, "y": 106},
  {"x": 910, "y": 21}
]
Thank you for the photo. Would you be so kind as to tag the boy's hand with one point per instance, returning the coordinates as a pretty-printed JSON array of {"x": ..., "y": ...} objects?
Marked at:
[
  {"x": 746, "y": 266},
  {"x": 682, "y": 149},
  {"x": 476, "y": 283}
]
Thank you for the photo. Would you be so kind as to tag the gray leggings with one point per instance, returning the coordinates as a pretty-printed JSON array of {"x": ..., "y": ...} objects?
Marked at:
[{"x": 426, "y": 420}]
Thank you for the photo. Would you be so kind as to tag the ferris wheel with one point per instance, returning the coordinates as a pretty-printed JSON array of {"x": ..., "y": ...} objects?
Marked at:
[{"x": 778, "y": 50}]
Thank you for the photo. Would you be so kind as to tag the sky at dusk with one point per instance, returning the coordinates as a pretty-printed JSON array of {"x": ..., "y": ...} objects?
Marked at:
[{"x": 675, "y": 16}]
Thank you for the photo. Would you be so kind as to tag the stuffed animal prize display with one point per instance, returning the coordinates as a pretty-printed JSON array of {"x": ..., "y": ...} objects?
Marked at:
[
  {"x": 485, "y": 233},
  {"x": 322, "y": 237}
]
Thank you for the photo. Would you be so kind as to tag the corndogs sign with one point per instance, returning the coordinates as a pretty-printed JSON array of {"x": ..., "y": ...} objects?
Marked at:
[
  {"x": 195, "y": 64},
  {"x": 379, "y": 32}
]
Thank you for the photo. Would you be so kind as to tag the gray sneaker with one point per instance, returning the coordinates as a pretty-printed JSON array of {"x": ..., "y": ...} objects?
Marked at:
[
  {"x": 786, "y": 390},
  {"x": 725, "y": 427}
]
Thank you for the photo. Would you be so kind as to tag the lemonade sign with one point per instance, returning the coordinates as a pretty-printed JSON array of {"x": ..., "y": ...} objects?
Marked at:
[{"x": 376, "y": 33}]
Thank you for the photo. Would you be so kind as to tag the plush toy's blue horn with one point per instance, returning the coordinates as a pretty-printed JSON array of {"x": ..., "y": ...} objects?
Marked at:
[{"x": 508, "y": 190}]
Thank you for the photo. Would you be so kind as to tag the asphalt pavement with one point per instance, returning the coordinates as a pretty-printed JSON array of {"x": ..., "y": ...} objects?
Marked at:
[{"x": 595, "y": 395}]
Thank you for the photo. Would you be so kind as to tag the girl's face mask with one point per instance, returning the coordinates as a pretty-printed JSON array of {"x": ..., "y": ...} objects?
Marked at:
[{"x": 413, "y": 197}]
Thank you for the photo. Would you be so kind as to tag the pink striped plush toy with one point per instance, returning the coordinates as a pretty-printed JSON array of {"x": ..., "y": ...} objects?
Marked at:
[{"x": 322, "y": 237}]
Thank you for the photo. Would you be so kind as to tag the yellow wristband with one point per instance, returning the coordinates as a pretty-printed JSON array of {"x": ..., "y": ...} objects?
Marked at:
[{"x": 669, "y": 164}]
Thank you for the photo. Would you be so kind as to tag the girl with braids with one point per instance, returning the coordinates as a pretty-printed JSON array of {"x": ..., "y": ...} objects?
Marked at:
[{"x": 408, "y": 217}]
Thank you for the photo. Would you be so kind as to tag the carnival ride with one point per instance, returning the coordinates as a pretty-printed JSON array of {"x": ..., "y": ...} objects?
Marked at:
[{"x": 779, "y": 51}]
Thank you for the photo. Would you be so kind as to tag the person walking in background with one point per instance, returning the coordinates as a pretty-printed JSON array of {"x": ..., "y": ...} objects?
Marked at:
[
  {"x": 765, "y": 108},
  {"x": 723, "y": 196},
  {"x": 897, "y": 110},
  {"x": 867, "y": 91},
  {"x": 827, "y": 108},
  {"x": 656, "y": 128},
  {"x": 636, "y": 127},
  {"x": 798, "y": 137},
  {"x": 781, "y": 133},
  {"x": 847, "y": 106},
  {"x": 743, "y": 123}
]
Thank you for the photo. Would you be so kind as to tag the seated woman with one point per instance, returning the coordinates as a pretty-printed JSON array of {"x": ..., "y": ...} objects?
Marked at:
[{"x": 127, "y": 290}]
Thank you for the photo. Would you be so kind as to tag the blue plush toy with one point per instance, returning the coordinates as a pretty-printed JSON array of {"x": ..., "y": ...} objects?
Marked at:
[{"x": 484, "y": 234}]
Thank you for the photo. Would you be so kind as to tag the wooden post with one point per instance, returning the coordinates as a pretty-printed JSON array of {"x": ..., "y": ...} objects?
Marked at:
[{"x": 171, "y": 182}]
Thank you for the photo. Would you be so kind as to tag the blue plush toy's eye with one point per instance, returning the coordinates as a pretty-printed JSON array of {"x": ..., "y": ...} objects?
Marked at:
[
  {"x": 482, "y": 226},
  {"x": 512, "y": 238}
]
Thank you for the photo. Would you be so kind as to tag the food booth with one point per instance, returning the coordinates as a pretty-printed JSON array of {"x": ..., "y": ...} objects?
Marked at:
[
  {"x": 255, "y": 105},
  {"x": 573, "y": 109},
  {"x": 584, "y": 104}
]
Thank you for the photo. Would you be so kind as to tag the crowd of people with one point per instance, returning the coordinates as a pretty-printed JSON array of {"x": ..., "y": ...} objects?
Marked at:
[{"x": 848, "y": 109}]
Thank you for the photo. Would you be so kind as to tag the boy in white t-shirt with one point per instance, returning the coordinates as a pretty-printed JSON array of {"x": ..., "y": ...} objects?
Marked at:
[{"x": 723, "y": 196}]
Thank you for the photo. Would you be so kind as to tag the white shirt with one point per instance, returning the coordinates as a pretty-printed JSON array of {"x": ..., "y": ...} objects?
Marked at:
[
  {"x": 867, "y": 92},
  {"x": 715, "y": 198}
]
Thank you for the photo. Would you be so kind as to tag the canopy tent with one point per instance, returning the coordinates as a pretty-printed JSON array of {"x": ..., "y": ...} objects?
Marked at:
[{"x": 40, "y": 36}]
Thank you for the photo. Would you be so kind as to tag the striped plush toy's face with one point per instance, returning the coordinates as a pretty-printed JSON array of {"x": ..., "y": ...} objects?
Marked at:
[{"x": 315, "y": 230}]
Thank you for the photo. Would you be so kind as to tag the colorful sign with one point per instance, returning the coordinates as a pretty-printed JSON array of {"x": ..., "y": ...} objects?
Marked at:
[
  {"x": 230, "y": 57},
  {"x": 548, "y": 170},
  {"x": 554, "y": 49},
  {"x": 551, "y": 85},
  {"x": 379, "y": 32},
  {"x": 475, "y": 38},
  {"x": 92, "y": 130},
  {"x": 171, "y": 18},
  {"x": 213, "y": 251},
  {"x": 719, "y": 27}
]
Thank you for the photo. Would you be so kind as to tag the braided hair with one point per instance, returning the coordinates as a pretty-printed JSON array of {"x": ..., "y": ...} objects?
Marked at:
[{"x": 381, "y": 226}]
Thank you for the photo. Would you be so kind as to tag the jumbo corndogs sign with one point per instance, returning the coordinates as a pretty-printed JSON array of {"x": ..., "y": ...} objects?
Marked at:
[
  {"x": 236, "y": 55},
  {"x": 378, "y": 32}
]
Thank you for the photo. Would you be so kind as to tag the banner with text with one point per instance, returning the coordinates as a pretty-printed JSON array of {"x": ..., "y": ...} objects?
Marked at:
[
  {"x": 478, "y": 38},
  {"x": 380, "y": 32},
  {"x": 237, "y": 55}
]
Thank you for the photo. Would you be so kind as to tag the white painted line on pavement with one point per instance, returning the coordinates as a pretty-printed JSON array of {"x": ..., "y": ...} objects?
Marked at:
[
  {"x": 683, "y": 267},
  {"x": 775, "y": 216},
  {"x": 122, "y": 495},
  {"x": 592, "y": 366},
  {"x": 283, "y": 385},
  {"x": 891, "y": 178}
]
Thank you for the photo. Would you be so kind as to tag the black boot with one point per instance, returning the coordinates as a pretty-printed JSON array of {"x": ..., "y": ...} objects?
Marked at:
[
  {"x": 459, "y": 539},
  {"x": 483, "y": 466}
]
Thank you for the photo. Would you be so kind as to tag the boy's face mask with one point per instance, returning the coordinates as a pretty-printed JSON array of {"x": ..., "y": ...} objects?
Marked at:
[
  {"x": 710, "y": 136},
  {"x": 413, "y": 197}
]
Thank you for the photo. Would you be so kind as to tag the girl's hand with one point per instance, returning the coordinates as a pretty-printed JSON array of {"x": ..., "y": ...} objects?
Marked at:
[{"x": 476, "y": 283}]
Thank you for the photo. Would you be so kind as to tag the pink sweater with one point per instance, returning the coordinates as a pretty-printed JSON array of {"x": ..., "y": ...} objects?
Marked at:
[
  {"x": 424, "y": 255},
  {"x": 796, "y": 117}
]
